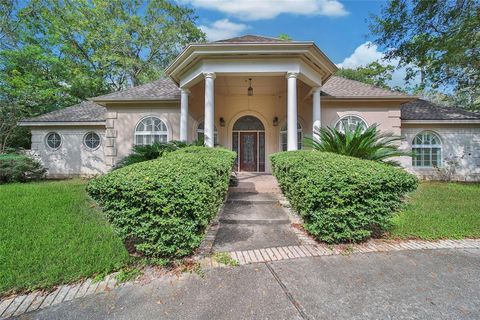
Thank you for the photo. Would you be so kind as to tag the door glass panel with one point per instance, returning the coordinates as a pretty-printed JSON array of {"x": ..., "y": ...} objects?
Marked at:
[
  {"x": 235, "y": 148},
  {"x": 261, "y": 151}
]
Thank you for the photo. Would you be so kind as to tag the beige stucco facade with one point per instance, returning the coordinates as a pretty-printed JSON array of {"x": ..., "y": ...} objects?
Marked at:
[{"x": 210, "y": 83}]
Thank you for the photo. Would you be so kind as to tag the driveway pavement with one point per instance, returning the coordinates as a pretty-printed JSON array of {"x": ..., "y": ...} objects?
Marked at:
[{"x": 417, "y": 284}]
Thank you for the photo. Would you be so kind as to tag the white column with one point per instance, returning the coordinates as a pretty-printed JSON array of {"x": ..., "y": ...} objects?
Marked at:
[
  {"x": 292, "y": 142},
  {"x": 209, "y": 109},
  {"x": 316, "y": 117},
  {"x": 184, "y": 114}
]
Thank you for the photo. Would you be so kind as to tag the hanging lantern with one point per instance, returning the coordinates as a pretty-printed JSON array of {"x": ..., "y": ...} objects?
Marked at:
[{"x": 250, "y": 89}]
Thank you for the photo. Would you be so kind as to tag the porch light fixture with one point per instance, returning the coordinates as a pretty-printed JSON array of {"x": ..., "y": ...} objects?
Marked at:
[
  {"x": 250, "y": 89},
  {"x": 222, "y": 122},
  {"x": 275, "y": 121}
]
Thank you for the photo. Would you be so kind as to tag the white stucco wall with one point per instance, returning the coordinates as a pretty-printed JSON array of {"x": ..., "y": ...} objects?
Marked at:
[
  {"x": 72, "y": 158},
  {"x": 460, "y": 151}
]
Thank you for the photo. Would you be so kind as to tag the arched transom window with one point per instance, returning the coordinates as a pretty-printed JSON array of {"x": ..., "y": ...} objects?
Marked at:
[
  {"x": 427, "y": 150},
  {"x": 150, "y": 130},
  {"x": 284, "y": 137},
  {"x": 201, "y": 133},
  {"x": 350, "y": 123}
]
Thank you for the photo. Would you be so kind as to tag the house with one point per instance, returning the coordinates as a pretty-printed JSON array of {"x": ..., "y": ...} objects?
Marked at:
[{"x": 255, "y": 95}]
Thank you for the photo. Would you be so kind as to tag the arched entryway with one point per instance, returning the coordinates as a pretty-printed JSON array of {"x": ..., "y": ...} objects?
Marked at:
[{"x": 248, "y": 140}]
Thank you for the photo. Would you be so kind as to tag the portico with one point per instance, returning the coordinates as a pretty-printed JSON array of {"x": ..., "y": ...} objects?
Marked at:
[{"x": 286, "y": 94}]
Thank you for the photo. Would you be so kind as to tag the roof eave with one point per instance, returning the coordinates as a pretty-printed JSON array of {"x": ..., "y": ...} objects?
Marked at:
[
  {"x": 103, "y": 102},
  {"x": 441, "y": 121},
  {"x": 367, "y": 98},
  {"x": 183, "y": 56},
  {"x": 59, "y": 123}
]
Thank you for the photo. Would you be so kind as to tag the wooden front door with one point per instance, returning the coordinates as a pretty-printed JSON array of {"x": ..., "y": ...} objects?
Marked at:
[{"x": 248, "y": 151}]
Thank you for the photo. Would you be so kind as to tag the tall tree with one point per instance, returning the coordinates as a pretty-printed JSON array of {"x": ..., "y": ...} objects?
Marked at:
[
  {"x": 438, "y": 39},
  {"x": 56, "y": 53},
  {"x": 374, "y": 73}
]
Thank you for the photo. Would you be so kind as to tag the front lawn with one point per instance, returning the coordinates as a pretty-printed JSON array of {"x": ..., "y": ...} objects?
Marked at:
[
  {"x": 50, "y": 233},
  {"x": 439, "y": 210}
]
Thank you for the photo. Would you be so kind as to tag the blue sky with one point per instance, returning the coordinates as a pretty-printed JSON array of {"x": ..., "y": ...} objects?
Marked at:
[
  {"x": 338, "y": 27},
  {"x": 338, "y": 31}
]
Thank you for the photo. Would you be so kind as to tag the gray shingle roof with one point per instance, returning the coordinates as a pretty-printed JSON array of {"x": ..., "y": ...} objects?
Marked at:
[
  {"x": 424, "y": 110},
  {"x": 86, "y": 111},
  {"x": 342, "y": 87},
  {"x": 163, "y": 89},
  {"x": 250, "y": 38}
]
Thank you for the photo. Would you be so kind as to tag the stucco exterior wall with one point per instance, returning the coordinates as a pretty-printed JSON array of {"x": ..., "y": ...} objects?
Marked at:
[
  {"x": 122, "y": 120},
  {"x": 72, "y": 158},
  {"x": 460, "y": 151}
]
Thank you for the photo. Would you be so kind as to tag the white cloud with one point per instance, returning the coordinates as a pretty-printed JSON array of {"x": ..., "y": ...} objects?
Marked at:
[
  {"x": 367, "y": 53},
  {"x": 223, "y": 29},
  {"x": 269, "y": 9}
]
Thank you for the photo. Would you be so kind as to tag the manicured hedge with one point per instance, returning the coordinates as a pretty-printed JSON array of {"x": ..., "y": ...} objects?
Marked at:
[
  {"x": 15, "y": 167},
  {"x": 340, "y": 198},
  {"x": 164, "y": 205}
]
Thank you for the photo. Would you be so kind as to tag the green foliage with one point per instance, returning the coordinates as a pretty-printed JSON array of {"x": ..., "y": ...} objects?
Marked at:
[
  {"x": 128, "y": 274},
  {"x": 374, "y": 73},
  {"x": 164, "y": 205},
  {"x": 340, "y": 198},
  {"x": 56, "y": 53},
  {"x": 225, "y": 259},
  {"x": 369, "y": 144},
  {"x": 19, "y": 168},
  {"x": 284, "y": 36},
  {"x": 153, "y": 151},
  {"x": 436, "y": 39}
]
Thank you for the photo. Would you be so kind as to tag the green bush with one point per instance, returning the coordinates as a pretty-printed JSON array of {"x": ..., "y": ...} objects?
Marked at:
[
  {"x": 153, "y": 151},
  {"x": 340, "y": 198},
  {"x": 164, "y": 205},
  {"x": 19, "y": 168}
]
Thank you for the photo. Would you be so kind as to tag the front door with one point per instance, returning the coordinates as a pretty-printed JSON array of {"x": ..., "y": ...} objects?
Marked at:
[{"x": 248, "y": 151}]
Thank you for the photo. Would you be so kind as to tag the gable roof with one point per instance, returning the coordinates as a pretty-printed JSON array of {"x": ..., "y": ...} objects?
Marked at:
[
  {"x": 85, "y": 111},
  {"x": 250, "y": 38},
  {"x": 163, "y": 89},
  {"x": 420, "y": 109},
  {"x": 340, "y": 87}
]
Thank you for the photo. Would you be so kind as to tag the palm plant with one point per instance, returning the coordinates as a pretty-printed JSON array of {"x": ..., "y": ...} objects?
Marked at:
[{"x": 369, "y": 143}]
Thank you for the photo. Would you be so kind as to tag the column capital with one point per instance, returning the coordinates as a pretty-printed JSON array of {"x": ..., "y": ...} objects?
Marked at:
[
  {"x": 316, "y": 89},
  {"x": 291, "y": 75},
  {"x": 184, "y": 91},
  {"x": 209, "y": 75}
]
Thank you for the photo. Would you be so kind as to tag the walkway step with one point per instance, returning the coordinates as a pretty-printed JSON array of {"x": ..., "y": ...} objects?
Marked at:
[{"x": 256, "y": 221}]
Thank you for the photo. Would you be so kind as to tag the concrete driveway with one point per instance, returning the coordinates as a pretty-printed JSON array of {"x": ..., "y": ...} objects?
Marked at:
[{"x": 418, "y": 284}]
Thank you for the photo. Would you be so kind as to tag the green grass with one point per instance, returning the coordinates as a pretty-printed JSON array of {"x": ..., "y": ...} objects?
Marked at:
[
  {"x": 52, "y": 234},
  {"x": 438, "y": 210}
]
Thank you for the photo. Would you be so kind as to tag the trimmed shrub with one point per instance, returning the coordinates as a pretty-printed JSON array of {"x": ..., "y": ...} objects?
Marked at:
[
  {"x": 340, "y": 198},
  {"x": 153, "y": 151},
  {"x": 19, "y": 168},
  {"x": 164, "y": 205}
]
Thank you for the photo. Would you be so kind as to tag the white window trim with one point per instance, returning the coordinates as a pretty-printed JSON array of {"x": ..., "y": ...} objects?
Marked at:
[
  {"x": 285, "y": 132},
  {"x": 150, "y": 133},
  {"x": 46, "y": 141},
  {"x": 215, "y": 131},
  {"x": 429, "y": 146},
  {"x": 85, "y": 144},
  {"x": 351, "y": 115}
]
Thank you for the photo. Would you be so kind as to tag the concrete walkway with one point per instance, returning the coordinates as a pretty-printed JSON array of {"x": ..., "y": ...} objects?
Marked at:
[
  {"x": 253, "y": 218},
  {"x": 416, "y": 284}
]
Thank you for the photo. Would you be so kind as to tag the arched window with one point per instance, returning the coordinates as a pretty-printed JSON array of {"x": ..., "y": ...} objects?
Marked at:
[
  {"x": 350, "y": 123},
  {"x": 201, "y": 133},
  {"x": 150, "y": 130},
  {"x": 91, "y": 140},
  {"x": 427, "y": 150},
  {"x": 284, "y": 137},
  {"x": 53, "y": 140}
]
